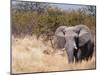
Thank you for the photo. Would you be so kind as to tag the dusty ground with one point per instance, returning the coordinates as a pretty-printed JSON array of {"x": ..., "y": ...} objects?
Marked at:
[{"x": 32, "y": 55}]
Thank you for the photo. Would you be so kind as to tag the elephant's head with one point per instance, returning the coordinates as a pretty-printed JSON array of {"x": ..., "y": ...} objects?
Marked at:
[
  {"x": 75, "y": 36},
  {"x": 65, "y": 37},
  {"x": 71, "y": 38}
]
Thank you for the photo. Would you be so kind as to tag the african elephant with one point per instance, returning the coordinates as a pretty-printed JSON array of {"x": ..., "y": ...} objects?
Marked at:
[{"x": 77, "y": 41}]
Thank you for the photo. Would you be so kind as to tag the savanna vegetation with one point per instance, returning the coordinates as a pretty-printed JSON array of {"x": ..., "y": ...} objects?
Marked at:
[
  {"x": 34, "y": 22},
  {"x": 43, "y": 18}
]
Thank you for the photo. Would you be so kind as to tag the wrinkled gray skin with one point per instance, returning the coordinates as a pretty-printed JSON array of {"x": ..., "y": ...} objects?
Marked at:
[{"x": 76, "y": 40}]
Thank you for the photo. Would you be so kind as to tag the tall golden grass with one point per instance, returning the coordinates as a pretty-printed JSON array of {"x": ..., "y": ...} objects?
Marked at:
[{"x": 32, "y": 55}]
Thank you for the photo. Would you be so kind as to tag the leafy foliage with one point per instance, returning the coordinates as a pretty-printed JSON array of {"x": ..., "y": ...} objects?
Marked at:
[{"x": 43, "y": 19}]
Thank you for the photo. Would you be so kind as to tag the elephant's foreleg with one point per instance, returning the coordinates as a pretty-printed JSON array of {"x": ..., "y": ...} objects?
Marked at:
[
  {"x": 79, "y": 56},
  {"x": 75, "y": 55}
]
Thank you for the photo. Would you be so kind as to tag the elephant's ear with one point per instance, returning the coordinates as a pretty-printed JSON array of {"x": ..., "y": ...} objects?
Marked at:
[
  {"x": 84, "y": 37},
  {"x": 83, "y": 34},
  {"x": 60, "y": 34},
  {"x": 61, "y": 41}
]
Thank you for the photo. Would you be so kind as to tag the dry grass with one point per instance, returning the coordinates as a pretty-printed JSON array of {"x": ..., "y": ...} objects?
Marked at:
[{"x": 32, "y": 55}]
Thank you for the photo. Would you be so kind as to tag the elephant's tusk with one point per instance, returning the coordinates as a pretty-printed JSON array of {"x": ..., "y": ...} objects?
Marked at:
[{"x": 76, "y": 48}]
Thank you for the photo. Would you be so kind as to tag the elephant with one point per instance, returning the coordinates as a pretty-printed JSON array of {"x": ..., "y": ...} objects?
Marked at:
[{"x": 77, "y": 41}]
